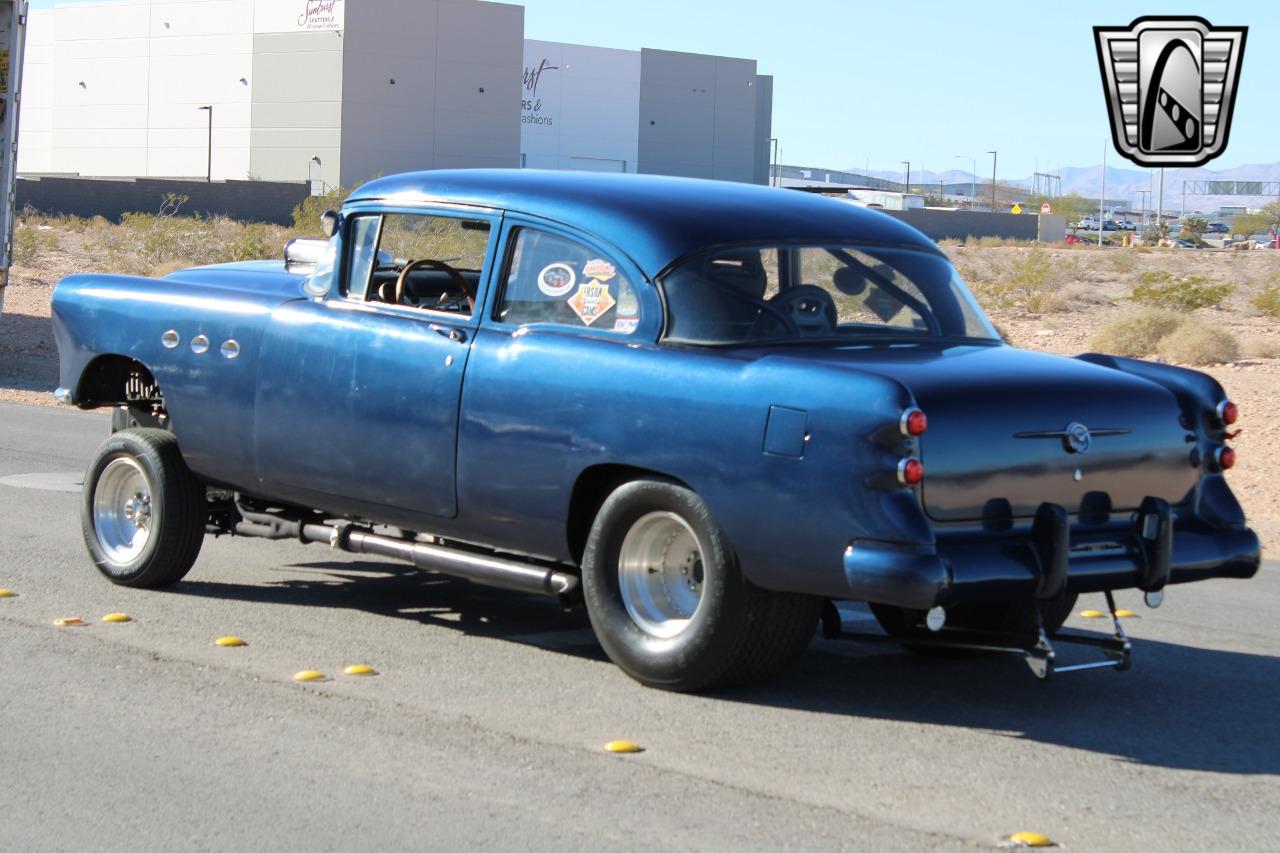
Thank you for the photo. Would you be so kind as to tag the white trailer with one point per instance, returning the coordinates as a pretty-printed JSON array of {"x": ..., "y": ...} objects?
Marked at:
[{"x": 13, "y": 35}]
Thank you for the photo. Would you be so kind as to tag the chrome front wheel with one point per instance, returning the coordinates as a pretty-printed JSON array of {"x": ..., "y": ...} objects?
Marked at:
[{"x": 123, "y": 511}]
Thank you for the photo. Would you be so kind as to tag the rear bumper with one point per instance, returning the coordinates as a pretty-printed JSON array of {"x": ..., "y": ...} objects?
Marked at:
[{"x": 1039, "y": 565}]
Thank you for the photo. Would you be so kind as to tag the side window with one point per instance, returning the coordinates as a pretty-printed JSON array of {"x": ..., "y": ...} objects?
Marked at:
[
  {"x": 418, "y": 260},
  {"x": 552, "y": 279}
]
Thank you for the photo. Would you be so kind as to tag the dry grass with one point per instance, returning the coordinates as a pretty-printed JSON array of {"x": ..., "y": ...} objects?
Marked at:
[
  {"x": 1160, "y": 289},
  {"x": 1197, "y": 342},
  {"x": 1267, "y": 301},
  {"x": 1262, "y": 347},
  {"x": 1138, "y": 334}
]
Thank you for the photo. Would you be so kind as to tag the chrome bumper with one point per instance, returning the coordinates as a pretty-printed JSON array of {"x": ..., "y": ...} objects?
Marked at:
[{"x": 64, "y": 396}]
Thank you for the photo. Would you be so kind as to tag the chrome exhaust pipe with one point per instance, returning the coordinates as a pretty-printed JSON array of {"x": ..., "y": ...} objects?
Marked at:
[{"x": 491, "y": 571}]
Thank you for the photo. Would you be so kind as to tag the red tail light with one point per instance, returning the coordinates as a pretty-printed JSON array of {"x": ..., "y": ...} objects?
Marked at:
[
  {"x": 1228, "y": 412},
  {"x": 911, "y": 471},
  {"x": 1226, "y": 457},
  {"x": 913, "y": 422}
]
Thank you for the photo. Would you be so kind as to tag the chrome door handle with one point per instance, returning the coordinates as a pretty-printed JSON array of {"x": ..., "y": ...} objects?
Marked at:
[{"x": 452, "y": 334}]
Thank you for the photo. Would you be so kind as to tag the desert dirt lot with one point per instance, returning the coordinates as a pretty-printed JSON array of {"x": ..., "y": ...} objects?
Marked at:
[{"x": 1053, "y": 299}]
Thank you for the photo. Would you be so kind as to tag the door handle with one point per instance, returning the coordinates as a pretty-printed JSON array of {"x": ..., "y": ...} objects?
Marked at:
[{"x": 455, "y": 335}]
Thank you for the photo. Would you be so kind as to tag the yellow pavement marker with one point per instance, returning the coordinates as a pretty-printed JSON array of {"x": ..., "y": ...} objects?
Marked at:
[
  {"x": 622, "y": 746},
  {"x": 1125, "y": 614},
  {"x": 309, "y": 675},
  {"x": 117, "y": 617},
  {"x": 1092, "y": 614},
  {"x": 68, "y": 621},
  {"x": 229, "y": 642},
  {"x": 360, "y": 669},
  {"x": 8, "y": 593},
  {"x": 1030, "y": 839}
]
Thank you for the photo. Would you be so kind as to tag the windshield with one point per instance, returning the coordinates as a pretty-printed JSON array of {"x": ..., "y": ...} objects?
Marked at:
[{"x": 782, "y": 293}]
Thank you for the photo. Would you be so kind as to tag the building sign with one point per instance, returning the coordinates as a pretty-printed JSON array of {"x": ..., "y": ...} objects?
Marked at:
[
  {"x": 298, "y": 16},
  {"x": 533, "y": 109}
]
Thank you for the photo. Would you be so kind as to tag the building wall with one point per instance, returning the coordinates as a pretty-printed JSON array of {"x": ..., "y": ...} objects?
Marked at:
[
  {"x": 580, "y": 107},
  {"x": 698, "y": 116},
  {"x": 297, "y": 106},
  {"x": 456, "y": 94}
]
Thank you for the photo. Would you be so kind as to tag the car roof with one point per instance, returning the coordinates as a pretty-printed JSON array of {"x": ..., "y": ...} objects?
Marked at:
[{"x": 654, "y": 219}]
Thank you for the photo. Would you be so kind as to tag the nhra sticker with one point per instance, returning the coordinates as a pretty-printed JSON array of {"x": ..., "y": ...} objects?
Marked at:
[
  {"x": 626, "y": 325},
  {"x": 557, "y": 279},
  {"x": 599, "y": 269},
  {"x": 591, "y": 302}
]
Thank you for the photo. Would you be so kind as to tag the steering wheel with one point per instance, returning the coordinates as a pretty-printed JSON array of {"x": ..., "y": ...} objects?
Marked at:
[
  {"x": 464, "y": 286},
  {"x": 808, "y": 307}
]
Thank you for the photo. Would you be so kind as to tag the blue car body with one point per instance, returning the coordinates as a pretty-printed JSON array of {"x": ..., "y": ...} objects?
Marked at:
[{"x": 507, "y": 436}]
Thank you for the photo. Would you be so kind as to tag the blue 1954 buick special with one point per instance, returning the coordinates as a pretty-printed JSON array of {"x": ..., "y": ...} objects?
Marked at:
[{"x": 705, "y": 410}]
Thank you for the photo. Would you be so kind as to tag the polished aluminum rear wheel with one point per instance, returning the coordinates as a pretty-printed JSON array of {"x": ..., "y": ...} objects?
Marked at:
[{"x": 661, "y": 573}]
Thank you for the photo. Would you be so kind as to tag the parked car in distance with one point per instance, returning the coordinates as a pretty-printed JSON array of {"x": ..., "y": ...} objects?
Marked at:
[
  {"x": 1217, "y": 228},
  {"x": 706, "y": 411},
  {"x": 1089, "y": 223},
  {"x": 1110, "y": 225}
]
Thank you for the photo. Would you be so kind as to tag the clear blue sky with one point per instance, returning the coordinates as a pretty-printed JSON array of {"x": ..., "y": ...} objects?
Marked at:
[{"x": 923, "y": 81}]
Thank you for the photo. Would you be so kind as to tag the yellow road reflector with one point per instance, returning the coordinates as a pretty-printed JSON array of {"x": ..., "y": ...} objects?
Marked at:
[
  {"x": 622, "y": 746},
  {"x": 68, "y": 621},
  {"x": 117, "y": 617},
  {"x": 308, "y": 675},
  {"x": 1092, "y": 614},
  {"x": 1125, "y": 614},
  {"x": 229, "y": 641},
  {"x": 1030, "y": 839},
  {"x": 360, "y": 669},
  {"x": 8, "y": 593}
]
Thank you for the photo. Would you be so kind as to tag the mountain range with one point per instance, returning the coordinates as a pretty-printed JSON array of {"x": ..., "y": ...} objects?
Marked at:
[{"x": 1124, "y": 183}]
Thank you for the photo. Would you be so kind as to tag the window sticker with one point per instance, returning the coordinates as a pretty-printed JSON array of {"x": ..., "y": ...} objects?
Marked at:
[
  {"x": 557, "y": 279},
  {"x": 628, "y": 305},
  {"x": 591, "y": 301},
  {"x": 599, "y": 269},
  {"x": 626, "y": 324}
]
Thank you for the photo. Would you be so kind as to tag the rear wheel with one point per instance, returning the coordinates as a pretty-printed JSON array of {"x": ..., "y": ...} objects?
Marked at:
[
  {"x": 142, "y": 512},
  {"x": 670, "y": 605}
]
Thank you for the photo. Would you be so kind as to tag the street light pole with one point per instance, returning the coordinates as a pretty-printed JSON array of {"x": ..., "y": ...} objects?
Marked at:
[
  {"x": 208, "y": 176},
  {"x": 906, "y": 185},
  {"x": 774, "y": 142},
  {"x": 993, "y": 180}
]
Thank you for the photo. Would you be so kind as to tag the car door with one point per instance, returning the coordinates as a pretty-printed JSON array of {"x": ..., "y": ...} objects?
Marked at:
[{"x": 358, "y": 391}]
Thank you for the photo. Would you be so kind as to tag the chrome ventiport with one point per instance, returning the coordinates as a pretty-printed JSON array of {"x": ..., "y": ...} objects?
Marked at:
[
  {"x": 199, "y": 344},
  {"x": 230, "y": 349},
  {"x": 171, "y": 339}
]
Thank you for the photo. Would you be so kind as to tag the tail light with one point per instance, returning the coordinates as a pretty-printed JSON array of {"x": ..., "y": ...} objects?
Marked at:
[
  {"x": 1225, "y": 457},
  {"x": 911, "y": 471},
  {"x": 1228, "y": 412},
  {"x": 913, "y": 422}
]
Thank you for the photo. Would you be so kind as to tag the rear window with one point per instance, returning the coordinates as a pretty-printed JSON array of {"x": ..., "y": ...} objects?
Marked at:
[{"x": 779, "y": 293}]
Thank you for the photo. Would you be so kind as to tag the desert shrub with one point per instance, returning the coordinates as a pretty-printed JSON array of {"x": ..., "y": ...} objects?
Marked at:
[
  {"x": 1029, "y": 284},
  {"x": 1268, "y": 301},
  {"x": 30, "y": 242},
  {"x": 1198, "y": 342},
  {"x": 306, "y": 216},
  {"x": 1162, "y": 290},
  {"x": 996, "y": 242},
  {"x": 251, "y": 242},
  {"x": 1262, "y": 347},
  {"x": 1138, "y": 334}
]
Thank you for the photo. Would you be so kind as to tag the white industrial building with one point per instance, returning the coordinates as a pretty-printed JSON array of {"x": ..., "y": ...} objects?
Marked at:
[{"x": 336, "y": 91}]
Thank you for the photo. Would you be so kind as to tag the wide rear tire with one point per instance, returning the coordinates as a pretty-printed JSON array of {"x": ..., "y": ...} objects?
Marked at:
[
  {"x": 142, "y": 512},
  {"x": 668, "y": 601}
]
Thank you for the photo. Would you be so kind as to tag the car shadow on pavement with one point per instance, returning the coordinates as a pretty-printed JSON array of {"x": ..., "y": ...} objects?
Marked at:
[
  {"x": 28, "y": 354},
  {"x": 403, "y": 592},
  {"x": 1179, "y": 706}
]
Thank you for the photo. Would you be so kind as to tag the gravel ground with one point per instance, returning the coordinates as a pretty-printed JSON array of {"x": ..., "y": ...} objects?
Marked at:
[{"x": 1094, "y": 285}]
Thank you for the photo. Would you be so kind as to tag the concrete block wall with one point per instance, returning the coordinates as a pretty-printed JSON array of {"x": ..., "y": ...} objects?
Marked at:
[{"x": 253, "y": 201}]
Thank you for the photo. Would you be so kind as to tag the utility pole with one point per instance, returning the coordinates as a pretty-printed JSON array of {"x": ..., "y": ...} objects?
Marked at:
[
  {"x": 774, "y": 180},
  {"x": 209, "y": 167},
  {"x": 1160, "y": 203},
  {"x": 906, "y": 185},
  {"x": 993, "y": 180}
]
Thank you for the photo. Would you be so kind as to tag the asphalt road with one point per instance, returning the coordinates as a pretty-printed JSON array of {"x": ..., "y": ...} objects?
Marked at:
[{"x": 485, "y": 725}]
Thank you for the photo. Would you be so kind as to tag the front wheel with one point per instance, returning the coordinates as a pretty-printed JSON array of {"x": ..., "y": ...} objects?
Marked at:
[
  {"x": 142, "y": 512},
  {"x": 668, "y": 601}
]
